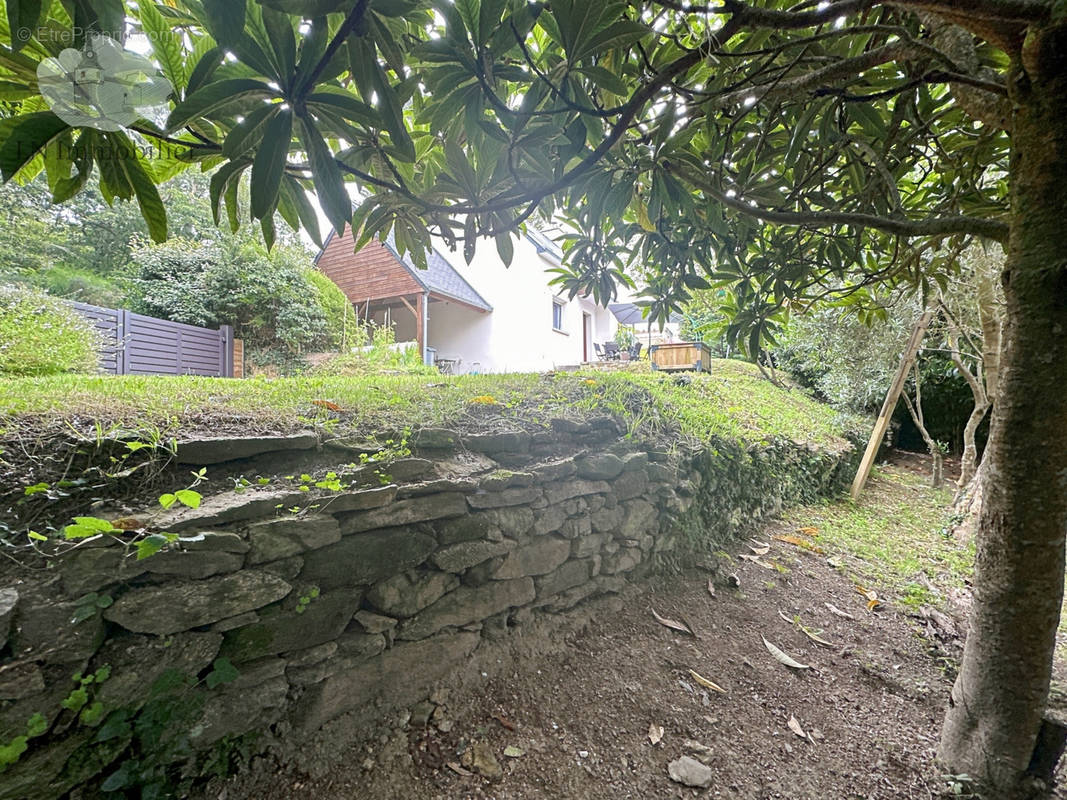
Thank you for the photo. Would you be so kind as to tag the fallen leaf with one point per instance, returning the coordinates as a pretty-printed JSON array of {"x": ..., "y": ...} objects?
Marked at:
[
  {"x": 814, "y": 635},
  {"x": 755, "y": 560},
  {"x": 456, "y": 768},
  {"x": 706, "y": 683},
  {"x": 673, "y": 624},
  {"x": 511, "y": 751},
  {"x": 782, "y": 656},
  {"x": 127, "y": 524},
  {"x": 327, "y": 405},
  {"x": 795, "y": 727},
  {"x": 733, "y": 580},
  {"x": 760, "y": 551},
  {"x": 808, "y": 530},
  {"x": 873, "y": 601},
  {"x": 835, "y": 562},
  {"x": 838, "y": 612},
  {"x": 655, "y": 733},
  {"x": 711, "y": 588},
  {"x": 798, "y": 542},
  {"x": 504, "y": 721}
]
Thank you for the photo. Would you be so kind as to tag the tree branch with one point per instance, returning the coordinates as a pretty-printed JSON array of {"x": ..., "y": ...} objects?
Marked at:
[{"x": 932, "y": 226}]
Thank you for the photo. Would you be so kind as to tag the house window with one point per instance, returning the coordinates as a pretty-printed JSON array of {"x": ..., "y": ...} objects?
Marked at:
[{"x": 557, "y": 315}]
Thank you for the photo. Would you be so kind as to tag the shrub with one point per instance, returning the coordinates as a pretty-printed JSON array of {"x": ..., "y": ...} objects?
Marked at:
[
  {"x": 340, "y": 319},
  {"x": 42, "y": 335},
  {"x": 269, "y": 298}
]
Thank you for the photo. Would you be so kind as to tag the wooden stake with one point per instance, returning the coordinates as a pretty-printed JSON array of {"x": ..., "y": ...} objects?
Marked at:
[{"x": 890, "y": 403}]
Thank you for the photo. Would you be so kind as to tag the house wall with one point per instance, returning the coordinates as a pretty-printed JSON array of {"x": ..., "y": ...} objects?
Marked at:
[{"x": 517, "y": 336}]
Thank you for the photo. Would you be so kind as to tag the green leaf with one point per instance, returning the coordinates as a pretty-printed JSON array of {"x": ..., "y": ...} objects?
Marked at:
[
  {"x": 226, "y": 179},
  {"x": 215, "y": 95},
  {"x": 868, "y": 118},
  {"x": 37, "y": 537},
  {"x": 309, "y": 8},
  {"x": 279, "y": 29},
  {"x": 152, "y": 208},
  {"x": 165, "y": 42},
  {"x": 24, "y": 137},
  {"x": 36, "y": 725},
  {"x": 346, "y": 105},
  {"x": 223, "y": 671},
  {"x": 22, "y": 15},
  {"x": 88, "y": 526},
  {"x": 150, "y": 545},
  {"x": 116, "y": 726},
  {"x": 309, "y": 219},
  {"x": 269, "y": 164},
  {"x": 329, "y": 184},
  {"x": 187, "y": 497},
  {"x": 167, "y": 500},
  {"x": 225, "y": 19},
  {"x": 505, "y": 248},
  {"x": 204, "y": 69}
]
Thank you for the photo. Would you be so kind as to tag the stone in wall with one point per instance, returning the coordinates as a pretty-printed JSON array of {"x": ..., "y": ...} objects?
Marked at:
[
  {"x": 464, "y": 555},
  {"x": 537, "y": 558},
  {"x": 280, "y": 538},
  {"x": 567, "y": 576},
  {"x": 231, "y": 448},
  {"x": 37, "y": 621},
  {"x": 278, "y": 630},
  {"x": 366, "y": 558},
  {"x": 406, "y": 512},
  {"x": 407, "y": 594},
  {"x": 181, "y": 605},
  {"x": 466, "y": 604},
  {"x": 137, "y": 662},
  {"x": 468, "y": 528},
  {"x": 401, "y": 675}
]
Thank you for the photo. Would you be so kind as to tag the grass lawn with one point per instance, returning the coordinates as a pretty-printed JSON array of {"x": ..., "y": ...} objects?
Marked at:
[
  {"x": 733, "y": 401},
  {"x": 895, "y": 539}
]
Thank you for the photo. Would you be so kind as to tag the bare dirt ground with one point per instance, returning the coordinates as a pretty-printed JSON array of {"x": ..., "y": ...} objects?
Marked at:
[{"x": 574, "y": 719}]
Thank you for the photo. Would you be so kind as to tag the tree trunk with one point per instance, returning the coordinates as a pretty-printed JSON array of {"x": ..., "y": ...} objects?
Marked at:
[
  {"x": 969, "y": 461},
  {"x": 992, "y": 726}
]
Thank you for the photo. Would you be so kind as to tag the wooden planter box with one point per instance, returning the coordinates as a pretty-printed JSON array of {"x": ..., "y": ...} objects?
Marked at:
[{"x": 680, "y": 356}]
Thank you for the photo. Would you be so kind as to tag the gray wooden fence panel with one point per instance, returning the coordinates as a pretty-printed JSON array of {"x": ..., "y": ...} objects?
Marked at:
[{"x": 133, "y": 344}]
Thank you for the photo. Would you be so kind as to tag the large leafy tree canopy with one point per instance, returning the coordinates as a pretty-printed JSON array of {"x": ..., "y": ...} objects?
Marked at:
[{"x": 665, "y": 134}]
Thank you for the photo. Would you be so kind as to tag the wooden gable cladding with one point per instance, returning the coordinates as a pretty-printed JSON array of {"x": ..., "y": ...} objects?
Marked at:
[{"x": 371, "y": 274}]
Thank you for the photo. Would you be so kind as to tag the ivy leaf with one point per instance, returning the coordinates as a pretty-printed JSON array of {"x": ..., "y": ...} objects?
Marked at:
[
  {"x": 269, "y": 165},
  {"x": 223, "y": 671}
]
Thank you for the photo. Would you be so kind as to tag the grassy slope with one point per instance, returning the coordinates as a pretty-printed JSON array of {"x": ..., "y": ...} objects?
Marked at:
[
  {"x": 894, "y": 539},
  {"x": 733, "y": 401}
]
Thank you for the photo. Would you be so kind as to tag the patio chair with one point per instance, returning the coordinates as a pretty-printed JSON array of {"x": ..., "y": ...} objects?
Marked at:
[
  {"x": 611, "y": 351},
  {"x": 600, "y": 354},
  {"x": 635, "y": 351}
]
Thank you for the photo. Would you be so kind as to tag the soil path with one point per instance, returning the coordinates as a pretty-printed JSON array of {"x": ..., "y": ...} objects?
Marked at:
[{"x": 580, "y": 712}]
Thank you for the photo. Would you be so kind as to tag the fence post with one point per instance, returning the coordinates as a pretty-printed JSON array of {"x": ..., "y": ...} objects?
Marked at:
[
  {"x": 226, "y": 344},
  {"x": 122, "y": 362}
]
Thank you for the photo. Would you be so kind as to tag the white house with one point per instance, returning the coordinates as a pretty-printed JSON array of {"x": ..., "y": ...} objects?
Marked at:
[{"x": 481, "y": 317}]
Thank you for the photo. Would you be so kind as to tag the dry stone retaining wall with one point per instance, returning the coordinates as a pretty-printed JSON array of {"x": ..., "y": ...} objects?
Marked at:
[{"x": 361, "y": 599}]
